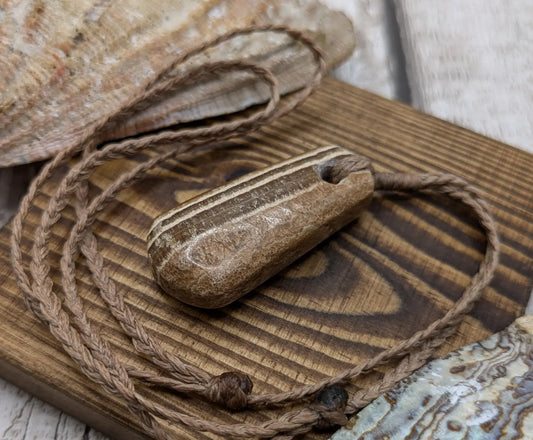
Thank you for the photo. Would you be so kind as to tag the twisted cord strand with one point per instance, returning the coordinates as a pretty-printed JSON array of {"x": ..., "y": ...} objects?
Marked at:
[{"x": 69, "y": 323}]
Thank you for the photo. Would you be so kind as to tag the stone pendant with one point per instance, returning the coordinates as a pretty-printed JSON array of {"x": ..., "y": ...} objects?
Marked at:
[{"x": 224, "y": 243}]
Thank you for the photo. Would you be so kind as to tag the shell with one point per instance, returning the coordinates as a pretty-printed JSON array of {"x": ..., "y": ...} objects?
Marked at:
[
  {"x": 64, "y": 65},
  {"x": 482, "y": 391}
]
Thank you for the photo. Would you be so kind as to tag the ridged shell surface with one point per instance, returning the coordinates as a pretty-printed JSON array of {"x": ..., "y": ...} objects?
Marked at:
[{"x": 66, "y": 65}]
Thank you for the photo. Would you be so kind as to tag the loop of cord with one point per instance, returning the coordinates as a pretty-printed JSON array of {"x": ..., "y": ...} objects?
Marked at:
[{"x": 66, "y": 317}]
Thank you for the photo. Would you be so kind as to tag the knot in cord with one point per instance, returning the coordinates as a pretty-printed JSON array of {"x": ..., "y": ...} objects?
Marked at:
[
  {"x": 330, "y": 405},
  {"x": 230, "y": 390}
]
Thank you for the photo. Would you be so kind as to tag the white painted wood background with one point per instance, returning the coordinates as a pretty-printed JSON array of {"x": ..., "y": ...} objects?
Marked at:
[{"x": 470, "y": 62}]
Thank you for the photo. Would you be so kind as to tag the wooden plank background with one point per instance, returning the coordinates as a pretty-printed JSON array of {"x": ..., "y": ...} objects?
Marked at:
[
  {"x": 470, "y": 64},
  {"x": 379, "y": 280}
]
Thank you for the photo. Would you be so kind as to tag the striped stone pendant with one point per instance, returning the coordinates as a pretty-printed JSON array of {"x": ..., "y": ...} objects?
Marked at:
[
  {"x": 215, "y": 248},
  {"x": 481, "y": 391}
]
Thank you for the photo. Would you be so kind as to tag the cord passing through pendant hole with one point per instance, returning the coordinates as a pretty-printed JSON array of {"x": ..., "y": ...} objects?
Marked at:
[{"x": 335, "y": 170}]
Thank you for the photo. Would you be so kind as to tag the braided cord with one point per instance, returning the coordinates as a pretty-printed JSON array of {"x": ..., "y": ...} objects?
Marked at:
[{"x": 69, "y": 323}]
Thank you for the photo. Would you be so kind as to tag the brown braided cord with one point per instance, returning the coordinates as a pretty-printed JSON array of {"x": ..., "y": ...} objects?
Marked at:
[{"x": 67, "y": 319}]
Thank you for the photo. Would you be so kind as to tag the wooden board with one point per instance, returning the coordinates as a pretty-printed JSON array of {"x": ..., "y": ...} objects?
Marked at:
[{"x": 379, "y": 280}]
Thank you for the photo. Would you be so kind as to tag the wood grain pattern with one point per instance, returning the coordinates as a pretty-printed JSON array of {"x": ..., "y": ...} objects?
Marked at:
[{"x": 377, "y": 281}]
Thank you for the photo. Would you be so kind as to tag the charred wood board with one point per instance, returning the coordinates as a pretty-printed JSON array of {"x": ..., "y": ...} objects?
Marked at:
[{"x": 398, "y": 267}]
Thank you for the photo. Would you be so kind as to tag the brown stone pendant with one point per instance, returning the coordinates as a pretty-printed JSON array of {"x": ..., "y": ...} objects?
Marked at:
[{"x": 224, "y": 243}]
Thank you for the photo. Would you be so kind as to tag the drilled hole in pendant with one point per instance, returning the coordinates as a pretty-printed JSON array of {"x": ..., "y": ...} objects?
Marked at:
[
  {"x": 328, "y": 171},
  {"x": 335, "y": 170}
]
